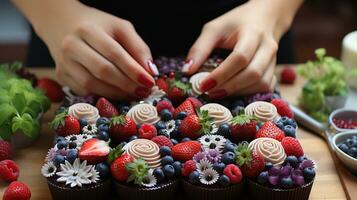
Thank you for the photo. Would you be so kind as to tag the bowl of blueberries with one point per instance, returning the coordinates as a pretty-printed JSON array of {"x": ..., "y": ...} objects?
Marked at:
[{"x": 345, "y": 145}]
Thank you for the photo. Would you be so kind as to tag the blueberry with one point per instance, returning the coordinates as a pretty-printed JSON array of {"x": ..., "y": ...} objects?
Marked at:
[
  {"x": 159, "y": 174},
  {"x": 124, "y": 109},
  {"x": 138, "y": 126},
  {"x": 309, "y": 173},
  {"x": 167, "y": 160},
  {"x": 103, "y": 135},
  {"x": 351, "y": 142},
  {"x": 102, "y": 120},
  {"x": 302, "y": 158},
  {"x": 72, "y": 145},
  {"x": 194, "y": 177},
  {"x": 58, "y": 159},
  {"x": 291, "y": 122},
  {"x": 165, "y": 151},
  {"x": 103, "y": 127},
  {"x": 352, "y": 152},
  {"x": 280, "y": 124},
  {"x": 224, "y": 130},
  {"x": 287, "y": 182},
  {"x": 62, "y": 144},
  {"x": 177, "y": 166},
  {"x": 175, "y": 133},
  {"x": 289, "y": 131},
  {"x": 181, "y": 115},
  {"x": 178, "y": 122},
  {"x": 72, "y": 154},
  {"x": 103, "y": 169},
  {"x": 263, "y": 178},
  {"x": 219, "y": 167},
  {"x": 229, "y": 147},
  {"x": 83, "y": 122},
  {"x": 169, "y": 171},
  {"x": 166, "y": 115},
  {"x": 268, "y": 165},
  {"x": 292, "y": 161},
  {"x": 134, "y": 137},
  {"x": 174, "y": 142},
  {"x": 343, "y": 147},
  {"x": 57, "y": 139},
  {"x": 228, "y": 157},
  {"x": 160, "y": 125},
  {"x": 284, "y": 120},
  {"x": 224, "y": 180},
  {"x": 186, "y": 139}
]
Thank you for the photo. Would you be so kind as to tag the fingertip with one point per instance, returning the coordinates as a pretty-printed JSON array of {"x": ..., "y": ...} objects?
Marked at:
[{"x": 152, "y": 68}]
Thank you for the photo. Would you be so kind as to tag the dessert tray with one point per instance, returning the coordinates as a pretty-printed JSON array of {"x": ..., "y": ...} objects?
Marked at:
[{"x": 177, "y": 143}]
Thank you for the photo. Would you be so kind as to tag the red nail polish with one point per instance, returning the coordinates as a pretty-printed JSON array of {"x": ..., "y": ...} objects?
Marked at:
[
  {"x": 208, "y": 84},
  {"x": 145, "y": 81},
  {"x": 142, "y": 92},
  {"x": 218, "y": 94}
]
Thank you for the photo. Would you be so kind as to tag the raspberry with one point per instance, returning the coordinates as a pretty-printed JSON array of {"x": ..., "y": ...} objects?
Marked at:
[
  {"x": 162, "y": 141},
  {"x": 9, "y": 171},
  {"x": 5, "y": 150},
  {"x": 188, "y": 167},
  {"x": 233, "y": 172},
  {"x": 292, "y": 147},
  {"x": 147, "y": 131},
  {"x": 288, "y": 75},
  {"x": 164, "y": 104},
  {"x": 283, "y": 108}
]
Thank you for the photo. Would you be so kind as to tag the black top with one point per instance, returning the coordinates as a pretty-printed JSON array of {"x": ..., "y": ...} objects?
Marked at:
[{"x": 168, "y": 27}]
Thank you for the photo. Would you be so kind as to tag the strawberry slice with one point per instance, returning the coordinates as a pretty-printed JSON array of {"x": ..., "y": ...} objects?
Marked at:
[
  {"x": 185, "y": 151},
  {"x": 187, "y": 107},
  {"x": 106, "y": 109},
  {"x": 94, "y": 151}
]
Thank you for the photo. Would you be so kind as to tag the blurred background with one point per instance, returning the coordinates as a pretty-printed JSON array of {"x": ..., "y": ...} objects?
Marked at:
[{"x": 319, "y": 23}]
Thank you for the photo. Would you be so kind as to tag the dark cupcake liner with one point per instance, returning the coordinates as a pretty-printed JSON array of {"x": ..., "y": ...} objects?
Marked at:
[
  {"x": 232, "y": 192},
  {"x": 91, "y": 192},
  {"x": 257, "y": 191},
  {"x": 163, "y": 191}
]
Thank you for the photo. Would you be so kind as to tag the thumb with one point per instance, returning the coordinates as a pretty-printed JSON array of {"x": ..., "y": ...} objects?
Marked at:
[{"x": 200, "y": 50}]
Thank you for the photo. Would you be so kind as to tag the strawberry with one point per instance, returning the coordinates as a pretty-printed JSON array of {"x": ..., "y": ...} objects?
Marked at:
[
  {"x": 178, "y": 90},
  {"x": 292, "y": 147},
  {"x": 9, "y": 170},
  {"x": 147, "y": 131},
  {"x": 288, "y": 75},
  {"x": 185, "y": 151},
  {"x": 195, "y": 102},
  {"x": 94, "y": 151},
  {"x": 283, "y": 108},
  {"x": 122, "y": 128},
  {"x": 251, "y": 163},
  {"x": 162, "y": 141},
  {"x": 164, "y": 104},
  {"x": 65, "y": 125},
  {"x": 118, "y": 169},
  {"x": 187, "y": 107},
  {"x": 106, "y": 109},
  {"x": 17, "y": 191},
  {"x": 243, "y": 127},
  {"x": 162, "y": 84},
  {"x": 233, "y": 172},
  {"x": 269, "y": 129},
  {"x": 188, "y": 167},
  {"x": 5, "y": 150},
  {"x": 52, "y": 89},
  {"x": 193, "y": 126}
]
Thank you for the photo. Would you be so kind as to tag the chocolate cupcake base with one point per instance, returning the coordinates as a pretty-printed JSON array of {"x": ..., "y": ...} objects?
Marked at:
[
  {"x": 257, "y": 191},
  {"x": 96, "y": 191},
  {"x": 164, "y": 191},
  {"x": 232, "y": 192}
]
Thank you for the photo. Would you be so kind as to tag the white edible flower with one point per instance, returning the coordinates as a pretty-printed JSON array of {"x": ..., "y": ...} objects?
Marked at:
[
  {"x": 209, "y": 177},
  {"x": 203, "y": 165},
  {"x": 77, "y": 174},
  {"x": 48, "y": 170},
  {"x": 150, "y": 180},
  {"x": 90, "y": 129}
]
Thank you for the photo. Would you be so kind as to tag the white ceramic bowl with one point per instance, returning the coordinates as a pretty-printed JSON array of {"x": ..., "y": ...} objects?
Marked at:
[
  {"x": 347, "y": 160},
  {"x": 342, "y": 113}
]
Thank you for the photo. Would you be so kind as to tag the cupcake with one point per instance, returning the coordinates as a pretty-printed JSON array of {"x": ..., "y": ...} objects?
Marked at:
[{"x": 212, "y": 173}]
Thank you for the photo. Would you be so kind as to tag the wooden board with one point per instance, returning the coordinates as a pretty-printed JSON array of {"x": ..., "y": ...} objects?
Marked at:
[{"x": 326, "y": 186}]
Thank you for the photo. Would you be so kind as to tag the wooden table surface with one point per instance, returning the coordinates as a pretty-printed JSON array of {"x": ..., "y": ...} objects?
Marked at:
[{"x": 327, "y": 184}]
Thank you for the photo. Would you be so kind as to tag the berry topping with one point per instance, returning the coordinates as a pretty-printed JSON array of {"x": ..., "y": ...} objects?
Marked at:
[
  {"x": 9, "y": 170},
  {"x": 66, "y": 125},
  {"x": 5, "y": 150},
  {"x": 233, "y": 172},
  {"x": 106, "y": 109},
  {"x": 188, "y": 167},
  {"x": 162, "y": 141},
  {"x": 288, "y": 75},
  {"x": 185, "y": 151},
  {"x": 147, "y": 131},
  {"x": 94, "y": 151},
  {"x": 292, "y": 147},
  {"x": 122, "y": 128},
  {"x": 17, "y": 191},
  {"x": 243, "y": 127},
  {"x": 283, "y": 108},
  {"x": 269, "y": 129}
]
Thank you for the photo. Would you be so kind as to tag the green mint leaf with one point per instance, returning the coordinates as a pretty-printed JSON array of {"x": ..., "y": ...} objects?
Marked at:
[
  {"x": 6, "y": 112},
  {"x": 19, "y": 102}
]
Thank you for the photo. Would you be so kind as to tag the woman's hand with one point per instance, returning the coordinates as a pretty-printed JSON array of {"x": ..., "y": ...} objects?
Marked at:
[
  {"x": 95, "y": 52},
  {"x": 252, "y": 31}
]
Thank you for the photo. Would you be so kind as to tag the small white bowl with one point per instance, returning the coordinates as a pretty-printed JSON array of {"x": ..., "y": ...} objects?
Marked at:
[
  {"x": 345, "y": 114},
  {"x": 347, "y": 160}
]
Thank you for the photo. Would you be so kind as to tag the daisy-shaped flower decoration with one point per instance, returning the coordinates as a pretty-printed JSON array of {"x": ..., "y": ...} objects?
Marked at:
[
  {"x": 48, "y": 170},
  {"x": 90, "y": 129},
  {"x": 170, "y": 127},
  {"x": 50, "y": 155},
  {"x": 203, "y": 165},
  {"x": 79, "y": 139},
  {"x": 77, "y": 174},
  {"x": 149, "y": 180},
  {"x": 199, "y": 156},
  {"x": 94, "y": 175},
  {"x": 213, "y": 155},
  {"x": 209, "y": 176},
  {"x": 216, "y": 142}
]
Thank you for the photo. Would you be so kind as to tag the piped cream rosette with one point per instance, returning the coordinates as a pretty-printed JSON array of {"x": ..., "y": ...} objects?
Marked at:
[
  {"x": 262, "y": 110},
  {"x": 145, "y": 149},
  {"x": 143, "y": 113},
  {"x": 220, "y": 113},
  {"x": 271, "y": 149},
  {"x": 84, "y": 111},
  {"x": 196, "y": 81}
]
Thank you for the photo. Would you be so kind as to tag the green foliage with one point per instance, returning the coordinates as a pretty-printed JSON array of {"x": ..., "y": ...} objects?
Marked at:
[
  {"x": 115, "y": 153},
  {"x": 138, "y": 170},
  {"x": 206, "y": 122},
  {"x": 326, "y": 76},
  {"x": 243, "y": 154},
  {"x": 20, "y": 104}
]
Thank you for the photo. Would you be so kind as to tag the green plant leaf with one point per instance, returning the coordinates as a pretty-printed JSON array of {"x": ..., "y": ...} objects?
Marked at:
[
  {"x": 19, "y": 102},
  {"x": 6, "y": 112},
  {"x": 5, "y": 131},
  {"x": 26, "y": 124}
]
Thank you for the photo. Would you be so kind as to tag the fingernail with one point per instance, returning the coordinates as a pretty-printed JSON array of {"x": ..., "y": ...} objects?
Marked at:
[
  {"x": 208, "y": 84},
  {"x": 153, "y": 67},
  {"x": 186, "y": 67},
  {"x": 142, "y": 92},
  {"x": 218, "y": 94},
  {"x": 145, "y": 81}
]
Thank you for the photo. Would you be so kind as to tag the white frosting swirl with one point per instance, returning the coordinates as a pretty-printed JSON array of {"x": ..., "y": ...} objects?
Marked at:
[
  {"x": 220, "y": 113},
  {"x": 84, "y": 111},
  {"x": 146, "y": 150},
  {"x": 143, "y": 113},
  {"x": 271, "y": 149},
  {"x": 262, "y": 110},
  {"x": 196, "y": 81}
]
